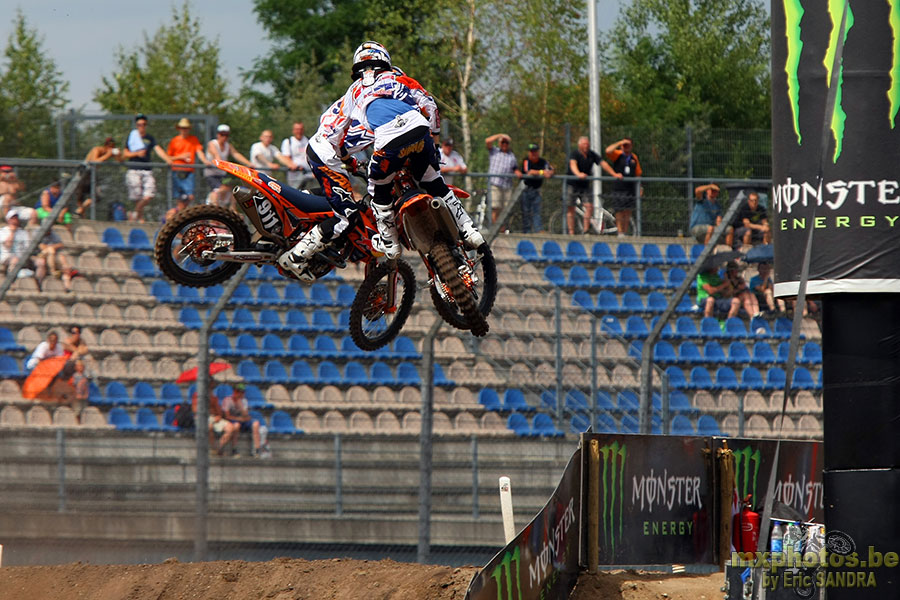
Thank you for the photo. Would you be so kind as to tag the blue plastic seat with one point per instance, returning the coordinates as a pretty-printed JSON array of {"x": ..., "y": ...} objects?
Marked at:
[
  {"x": 738, "y": 353},
  {"x": 675, "y": 278},
  {"x": 282, "y": 423},
  {"x": 710, "y": 328},
  {"x": 381, "y": 374},
  {"x": 576, "y": 401},
  {"x": 630, "y": 424},
  {"x": 631, "y": 302},
  {"x": 604, "y": 403},
  {"x": 168, "y": 421},
  {"x": 762, "y": 354},
  {"x": 248, "y": 371},
  {"x": 735, "y": 328},
  {"x": 302, "y": 373},
  {"x": 651, "y": 255},
  {"x": 407, "y": 374},
  {"x": 219, "y": 344},
  {"x": 759, "y": 327},
  {"x": 9, "y": 367},
  {"x": 145, "y": 420},
  {"x": 783, "y": 328},
  {"x": 514, "y": 400},
  {"x": 726, "y": 379},
  {"x": 162, "y": 291},
  {"x": 245, "y": 345},
  {"x": 601, "y": 253},
  {"x": 527, "y": 251},
  {"x": 781, "y": 353},
  {"x": 707, "y": 425},
  {"x": 579, "y": 423},
  {"x": 664, "y": 353},
  {"x": 636, "y": 349},
  {"x": 116, "y": 393},
  {"x": 627, "y": 402},
  {"x": 439, "y": 379},
  {"x": 294, "y": 295},
  {"x": 267, "y": 295},
  {"x": 298, "y": 346},
  {"x": 269, "y": 320},
  {"x": 345, "y": 295},
  {"x": 575, "y": 253},
  {"x": 681, "y": 425},
  {"x": 578, "y": 277},
  {"x": 700, "y": 379},
  {"x": 629, "y": 279},
  {"x": 112, "y": 237},
  {"x": 144, "y": 266},
  {"x": 604, "y": 278},
  {"x": 811, "y": 354},
  {"x": 657, "y": 302},
  {"x": 666, "y": 332},
  {"x": 329, "y": 374},
  {"x": 696, "y": 250},
  {"x": 190, "y": 318},
  {"x": 144, "y": 394},
  {"x": 551, "y": 252},
  {"x": 324, "y": 347},
  {"x": 555, "y": 275},
  {"x": 675, "y": 255},
  {"x": 676, "y": 378},
  {"x": 606, "y": 424},
  {"x": 242, "y": 320},
  {"x": 654, "y": 279},
  {"x": 680, "y": 404},
  {"x": 543, "y": 425},
  {"x": 349, "y": 349},
  {"x": 803, "y": 379},
  {"x": 627, "y": 255},
  {"x": 752, "y": 379},
  {"x": 120, "y": 419},
  {"x": 610, "y": 325},
  {"x": 170, "y": 394},
  {"x": 489, "y": 399},
  {"x": 548, "y": 400},
  {"x": 518, "y": 424},
  {"x": 138, "y": 240},
  {"x": 255, "y": 399},
  {"x": 686, "y": 328},
  {"x": 322, "y": 321},
  {"x": 319, "y": 295},
  {"x": 607, "y": 302},
  {"x": 274, "y": 372},
  {"x": 635, "y": 328},
  {"x": 295, "y": 320},
  {"x": 355, "y": 374},
  {"x": 689, "y": 353},
  {"x": 686, "y": 305},
  {"x": 405, "y": 348},
  {"x": 242, "y": 295}
]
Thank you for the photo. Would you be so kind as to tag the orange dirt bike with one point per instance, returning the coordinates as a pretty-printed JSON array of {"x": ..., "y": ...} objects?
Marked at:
[
  {"x": 463, "y": 284},
  {"x": 205, "y": 245}
]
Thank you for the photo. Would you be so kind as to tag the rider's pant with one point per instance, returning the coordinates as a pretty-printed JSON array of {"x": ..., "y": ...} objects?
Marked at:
[
  {"x": 415, "y": 150},
  {"x": 336, "y": 186}
]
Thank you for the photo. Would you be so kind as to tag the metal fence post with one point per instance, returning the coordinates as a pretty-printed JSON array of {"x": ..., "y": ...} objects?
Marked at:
[
  {"x": 594, "y": 373},
  {"x": 741, "y": 414},
  {"x": 475, "y": 509},
  {"x": 338, "y": 475},
  {"x": 637, "y": 201},
  {"x": 61, "y": 464},
  {"x": 689, "y": 142},
  {"x": 559, "y": 373}
]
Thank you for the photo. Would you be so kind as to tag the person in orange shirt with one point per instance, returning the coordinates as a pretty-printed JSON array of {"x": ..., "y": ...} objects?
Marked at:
[{"x": 183, "y": 148}]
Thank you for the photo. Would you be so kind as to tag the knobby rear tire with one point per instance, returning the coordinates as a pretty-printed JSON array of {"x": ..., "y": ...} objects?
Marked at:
[{"x": 447, "y": 270}]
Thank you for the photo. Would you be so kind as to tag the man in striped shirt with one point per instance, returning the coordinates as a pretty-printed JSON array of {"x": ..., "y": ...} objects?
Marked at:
[{"x": 502, "y": 161}]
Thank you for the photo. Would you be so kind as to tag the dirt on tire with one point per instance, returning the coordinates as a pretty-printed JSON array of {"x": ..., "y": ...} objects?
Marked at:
[{"x": 295, "y": 579}]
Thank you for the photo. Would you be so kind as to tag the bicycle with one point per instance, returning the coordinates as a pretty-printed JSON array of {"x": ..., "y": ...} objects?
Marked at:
[{"x": 602, "y": 221}]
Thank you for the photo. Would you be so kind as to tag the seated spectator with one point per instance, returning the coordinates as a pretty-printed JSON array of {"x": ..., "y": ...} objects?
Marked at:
[
  {"x": 707, "y": 215},
  {"x": 237, "y": 411},
  {"x": 740, "y": 290},
  {"x": 74, "y": 345},
  {"x": 57, "y": 263},
  {"x": 714, "y": 294},
  {"x": 46, "y": 349},
  {"x": 49, "y": 197},
  {"x": 217, "y": 424},
  {"x": 753, "y": 222},
  {"x": 10, "y": 188},
  {"x": 763, "y": 287}
]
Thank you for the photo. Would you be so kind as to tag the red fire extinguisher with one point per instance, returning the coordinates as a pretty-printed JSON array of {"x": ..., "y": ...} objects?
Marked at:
[{"x": 745, "y": 528}]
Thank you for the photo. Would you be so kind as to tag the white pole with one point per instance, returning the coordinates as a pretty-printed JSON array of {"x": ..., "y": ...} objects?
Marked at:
[
  {"x": 1, "y": 555},
  {"x": 594, "y": 100},
  {"x": 509, "y": 523}
]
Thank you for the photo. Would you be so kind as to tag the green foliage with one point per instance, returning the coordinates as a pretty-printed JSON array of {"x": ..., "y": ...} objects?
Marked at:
[
  {"x": 32, "y": 93},
  {"x": 701, "y": 62},
  {"x": 175, "y": 71}
]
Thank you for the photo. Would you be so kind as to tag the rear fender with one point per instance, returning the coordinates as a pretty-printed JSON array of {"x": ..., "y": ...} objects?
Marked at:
[{"x": 424, "y": 219}]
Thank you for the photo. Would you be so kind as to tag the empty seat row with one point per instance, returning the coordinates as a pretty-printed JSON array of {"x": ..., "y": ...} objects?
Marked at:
[
  {"x": 713, "y": 353},
  {"x": 327, "y": 372},
  {"x": 602, "y": 254},
  {"x": 607, "y": 302},
  {"x": 541, "y": 426},
  {"x": 750, "y": 379},
  {"x": 266, "y": 295},
  {"x": 137, "y": 240},
  {"x": 603, "y": 278},
  {"x": 686, "y": 327},
  {"x": 680, "y": 425}
]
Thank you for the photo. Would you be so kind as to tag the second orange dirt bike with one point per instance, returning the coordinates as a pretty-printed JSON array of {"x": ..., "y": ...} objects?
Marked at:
[{"x": 204, "y": 245}]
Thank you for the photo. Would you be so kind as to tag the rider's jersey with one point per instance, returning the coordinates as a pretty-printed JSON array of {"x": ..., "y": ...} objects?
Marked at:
[{"x": 373, "y": 114}]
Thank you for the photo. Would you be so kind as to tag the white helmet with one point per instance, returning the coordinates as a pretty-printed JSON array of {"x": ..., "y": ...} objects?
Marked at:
[{"x": 370, "y": 55}]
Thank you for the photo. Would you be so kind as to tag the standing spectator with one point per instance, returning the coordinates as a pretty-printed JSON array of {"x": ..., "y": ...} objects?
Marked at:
[
  {"x": 82, "y": 385},
  {"x": 762, "y": 286},
  {"x": 219, "y": 148},
  {"x": 48, "y": 199},
  {"x": 626, "y": 167},
  {"x": 49, "y": 348},
  {"x": 581, "y": 163},
  {"x": 217, "y": 424},
  {"x": 741, "y": 291},
  {"x": 57, "y": 263},
  {"x": 10, "y": 187},
  {"x": 534, "y": 169},
  {"x": 294, "y": 147},
  {"x": 183, "y": 148},
  {"x": 97, "y": 154},
  {"x": 139, "y": 179},
  {"x": 707, "y": 215},
  {"x": 753, "y": 222},
  {"x": 14, "y": 241},
  {"x": 501, "y": 162},
  {"x": 237, "y": 411},
  {"x": 264, "y": 155},
  {"x": 452, "y": 162},
  {"x": 714, "y": 294}
]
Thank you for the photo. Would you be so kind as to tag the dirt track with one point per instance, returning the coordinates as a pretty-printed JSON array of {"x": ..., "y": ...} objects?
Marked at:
[{"x": 283, "y": 579}]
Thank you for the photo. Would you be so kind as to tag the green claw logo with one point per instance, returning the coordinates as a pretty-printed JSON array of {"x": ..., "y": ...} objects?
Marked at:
[
  {"x": 745, "y": 480},
  {"x": 613, "y": 475},
  {"x": 504, "y": 572},
  {"x": 793, "y": 14}
]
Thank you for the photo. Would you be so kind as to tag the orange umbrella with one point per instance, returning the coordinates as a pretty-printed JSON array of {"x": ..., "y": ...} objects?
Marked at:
[
  {"x": 191, "y": 374},
  {"x": 42, "y": 376}
]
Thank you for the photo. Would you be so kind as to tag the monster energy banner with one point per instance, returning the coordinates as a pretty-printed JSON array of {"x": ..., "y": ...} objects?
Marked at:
[
  {"x": 655, "y": 500},
  {"x": 798, "y": 479},
  {"x": 541, "y": 563},
  {"x": 836, "y": 174}
]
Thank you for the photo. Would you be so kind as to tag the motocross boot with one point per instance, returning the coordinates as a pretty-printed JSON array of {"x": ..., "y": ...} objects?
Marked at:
[
  {"x": 296, "y": 260},
  {"x": 386, "y": 239},
  {"x": 470, "y": 233}
]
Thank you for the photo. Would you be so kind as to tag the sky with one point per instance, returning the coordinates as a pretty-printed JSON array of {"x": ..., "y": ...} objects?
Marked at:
[{"x": 82, "y": 36}]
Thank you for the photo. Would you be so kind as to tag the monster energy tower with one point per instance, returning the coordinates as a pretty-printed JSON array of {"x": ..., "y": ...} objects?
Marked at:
[{"x": 836, "y": 177}]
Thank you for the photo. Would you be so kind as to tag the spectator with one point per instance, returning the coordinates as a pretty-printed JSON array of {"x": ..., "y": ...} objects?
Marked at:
[
  {"x": 183, "y": 149},
  {"x": 97, "y": 154},
  {"x": 714, "y": 294},
  {"x": 753, "y": 222},
  {"x": 237, "y": 411},
  {"x": 299, "y": 176},
  {"x": 741, "y": 291},
  {"x": 534, "y": 169},
  {"x": 74, "y": 345},
  {"x": 57, "y": 263},
  {"x": 581, "y": 163},
  {"x": 263, "y": 154},
  {"x": 452, "y": 162},
  {"x": 219, "y": 148},
  {"x": 216, "y": 425},
  {"x": 49, "y": 348},
  {"x": 82, "y": 385},
  {"x": 10, "y": 187},
  {"x": 139, "y": 179},
  {"x": 14, "y": 241},
  {"x": 48, "y": 199},
  {"x": 762, "y": 286},
  {"x": 626, "y": 167},
  {"x": 501, "y": 162},
  {"x": 707, "y": 215}
]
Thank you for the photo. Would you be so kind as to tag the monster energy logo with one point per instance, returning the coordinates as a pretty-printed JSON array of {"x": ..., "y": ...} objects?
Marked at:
[
  {"x": 745, "y": 482},
  {"x": 612, "y": 480},
  {"x": 504, "y": 572},
  {"x": 793, "y": 14}
]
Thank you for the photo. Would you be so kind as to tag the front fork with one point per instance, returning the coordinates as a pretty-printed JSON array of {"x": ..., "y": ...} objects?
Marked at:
[{"x": 391, "y": 291}]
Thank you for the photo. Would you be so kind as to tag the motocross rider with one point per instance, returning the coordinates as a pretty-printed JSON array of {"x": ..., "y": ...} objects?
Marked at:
[{"x": 385, "y": 107}]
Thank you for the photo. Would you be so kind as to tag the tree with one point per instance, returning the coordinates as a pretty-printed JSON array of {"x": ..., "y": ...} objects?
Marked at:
[
  {"x": 175, "y": 71},
  {"x": 32, "y": 93},
  {"x": 692, "y": 62}
]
